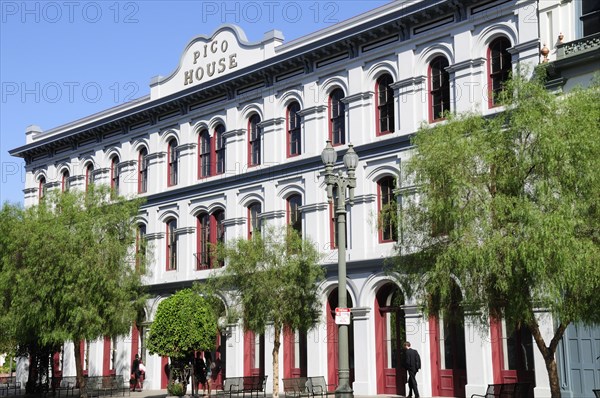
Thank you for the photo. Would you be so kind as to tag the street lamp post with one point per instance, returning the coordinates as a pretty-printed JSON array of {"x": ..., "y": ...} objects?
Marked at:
[{"x": 337, "y": 184}]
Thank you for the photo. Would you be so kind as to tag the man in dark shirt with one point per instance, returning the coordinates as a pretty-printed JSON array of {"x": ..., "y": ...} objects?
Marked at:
[{"x": 412, "y": 365}]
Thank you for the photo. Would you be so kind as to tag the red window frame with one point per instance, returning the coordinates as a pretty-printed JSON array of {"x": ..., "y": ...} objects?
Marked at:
[
  {"x": 254, "y": 222},
  {"x": 439, "y": 89},
  {"x": 41, "y": 188},
  {"x": 385, "y": 194},
  {"x": 204, "y": 154},
  {"x": 219, "y": 150},
  {"x": 337, "y": 117},
  {"x": 171, "y": 241},
  {"x": 294, "y": 130},
  {"x": 114, "y": 174},
  {"x": 499, "y": 68},
  {"x": 254, "y": 140},
  {"x": 172, "y": 163},
  {"x": 142, "y": 171},
  {"x": 211, "y": 231},
  {"x": 294, "y": 215},
  {"x": 64, "y": 183},
  {"x": 88, "y": 175},
  {"x": 384, "y": 101}
]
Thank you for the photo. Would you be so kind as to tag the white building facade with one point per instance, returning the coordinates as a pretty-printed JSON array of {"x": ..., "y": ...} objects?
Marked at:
[{"x": 231, "y": 140}]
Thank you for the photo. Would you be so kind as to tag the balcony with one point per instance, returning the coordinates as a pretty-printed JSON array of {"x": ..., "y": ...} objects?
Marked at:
[{"x": 577, "y": 48}]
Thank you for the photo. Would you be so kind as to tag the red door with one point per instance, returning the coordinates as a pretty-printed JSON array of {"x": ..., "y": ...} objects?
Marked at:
[
  {"x": 332, "y": 342},
  {"x": 448, "y": 362},
  {"x": 390, "y": 334},
  {"x": 294, "y": 353},
  {"x": 512, "y": 353},
  {"x": 254, "y": 354}
]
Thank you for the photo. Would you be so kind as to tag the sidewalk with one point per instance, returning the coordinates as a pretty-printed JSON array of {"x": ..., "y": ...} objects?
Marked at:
[{"x": 163, "y": 394}]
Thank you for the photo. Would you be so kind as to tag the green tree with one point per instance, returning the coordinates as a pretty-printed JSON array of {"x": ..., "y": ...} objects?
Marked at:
[
  {"x": 509, "y": 206},
  {"x": 74, "y": 275},
  {"x": 272, "y": 281},
  {"x": 184, "y": 323}
]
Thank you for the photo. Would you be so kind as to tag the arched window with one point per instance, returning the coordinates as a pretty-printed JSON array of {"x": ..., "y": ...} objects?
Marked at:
[
  {"x": 386, "y": 207},
  {"x": 140, "y": 244},
  {"x": 114, "y": 174},
  {"x": 385, "y": 105},
  {"x": 254, "y": 140},
  {"x": 204, "y": 154},
  {"x": 172, "y": 162},
  {"x": 499, "y": 66},
  {"x": 211, "y": 232},
  {"x": 143, "y": 171},
  {"x": 337, "y": 117},
  {"x": 65, "y": 184},
  {"x": 294, "y": 136},
  {"x": 220, "y": 149},
  {"x": 254, "y": 221},
  {"x": 171, "y": 245},
  {"x": 42, "y": 188},
  {"x": 439, "y": 89},
  {"x": 294, "y": 214},
  {"x": 89, "y": 177}
]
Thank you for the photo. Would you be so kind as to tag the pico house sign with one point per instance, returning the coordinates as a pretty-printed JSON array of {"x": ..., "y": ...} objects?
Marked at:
[{"x": 207, "y": 58}]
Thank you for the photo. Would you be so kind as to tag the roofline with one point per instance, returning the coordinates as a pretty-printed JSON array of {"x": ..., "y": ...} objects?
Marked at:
[{"x": 287, "y": 51}]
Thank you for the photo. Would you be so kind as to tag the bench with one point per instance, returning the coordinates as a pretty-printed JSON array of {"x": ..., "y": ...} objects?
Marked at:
[
  {"x": 243, "y": 385},
  {"x": 106, "y": 385},
  {"x": 8, "y": 383},
  {"x": 66, "y": 383},
  {"x": 295, "y": 387},
  {"x": 318, "y": 388},
  {"x": 506, "y": 390}
]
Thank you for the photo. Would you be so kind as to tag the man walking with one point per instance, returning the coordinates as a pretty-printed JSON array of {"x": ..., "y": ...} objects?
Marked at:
[{"x": 412, "y": 363}]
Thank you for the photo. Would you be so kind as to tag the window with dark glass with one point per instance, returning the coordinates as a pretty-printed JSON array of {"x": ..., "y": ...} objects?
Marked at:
[
  {"x": 499, "y": 66},
  {"x": 65, "y": 183},
  {"x": 385, "y": 105},
  {"x": 590, "y": 17},
  {"x": 387, "y": 206},
  {"x": 143, "y": 171},
  {"x": 294, "y": 139},
  {"x": 294, "y": 214},
  {"x": 439, "y": 93},
  {"x": 171, "y": 245},
  {"x": 204, "y": 154},
  {"x": 114, "y": 174},
  {"x": 254, "y": 222},
  {"x": 172, "y": 162},
  {"x": 42, "y": 188},
  {"x": 211, "y": 232},
  {"x": 89, "y": 178},
  {"x": 220, "y": 149},
  {"x": 140, "y": 244},
  {"x": 337, "y": 117},
  {"x": 254, "y": 138}
]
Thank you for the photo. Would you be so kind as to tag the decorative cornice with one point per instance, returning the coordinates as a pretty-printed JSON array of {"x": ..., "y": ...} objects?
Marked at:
[
  {"x": 367, "y": 198},
  {"x": 311, "y": 110},
  {"x": 126, "y": 163},
  {"x": 470, "y": 63},
  {"x": 28, "y": 191},
  {"x": 360, "y": 313},
  {"x": 155, "y": 155},
  {"x": 314, "y": 207},
  {"x": 272, "y": 122},
  {"x": 357, "y": 97},
  {"x": 187, "y": 146},
  {"x": 273, "y": 214},
  {"x": 234, "y": 221},
  {"x": 233, "y": 133},
  {"x": 415, "y": 81},
  {"x": 528, "y": 45},
  {"x": 185, "y": 230},
  {"x": 155, "y": 235}
]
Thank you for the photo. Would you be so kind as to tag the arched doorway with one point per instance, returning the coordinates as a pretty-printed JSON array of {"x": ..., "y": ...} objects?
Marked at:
[
  {"x": 512, "y": 353},
  {"x": 332, "y": 340},
  {"x": 448, "y": 357},
  {"x": 390, "y": 331}
]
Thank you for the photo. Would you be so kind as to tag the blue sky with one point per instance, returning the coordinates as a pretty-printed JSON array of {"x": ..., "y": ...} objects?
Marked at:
[{"x": 63, "y": 60}]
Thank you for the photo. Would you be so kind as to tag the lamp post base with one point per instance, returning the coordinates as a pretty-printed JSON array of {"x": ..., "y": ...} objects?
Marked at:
[{"x": 344, "y": 391}]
